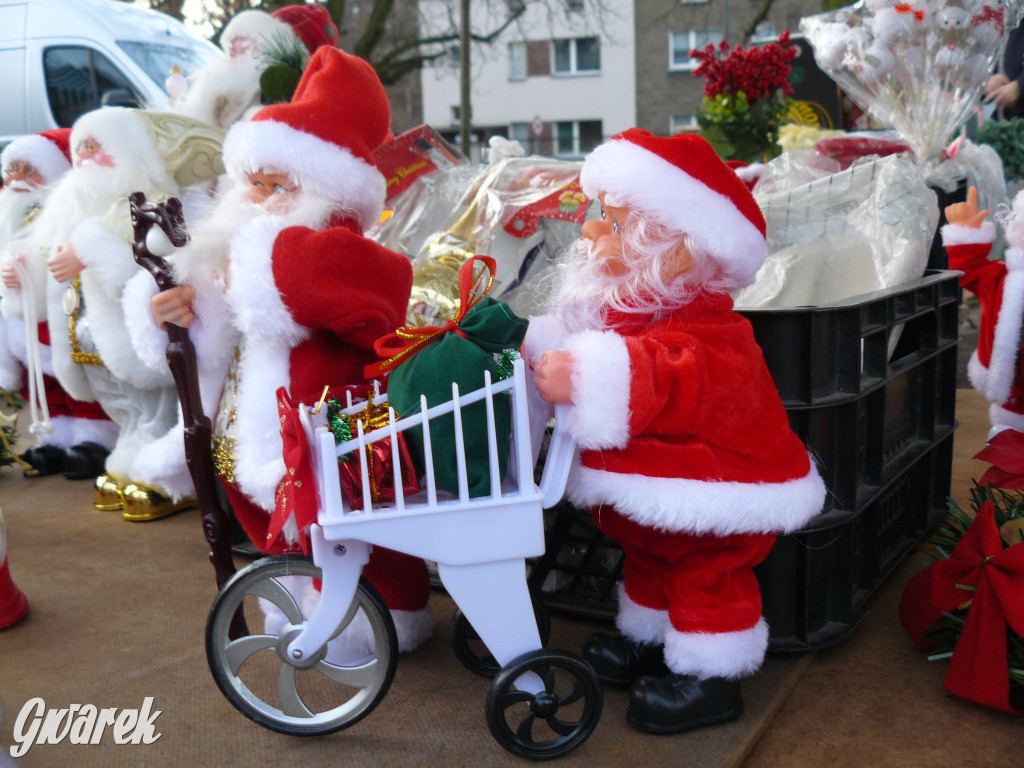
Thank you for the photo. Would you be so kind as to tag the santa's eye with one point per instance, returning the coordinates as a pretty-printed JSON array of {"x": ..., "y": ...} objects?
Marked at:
[
  {"x": 280, "y": 190},
  {"x": 615, "y": 226}
]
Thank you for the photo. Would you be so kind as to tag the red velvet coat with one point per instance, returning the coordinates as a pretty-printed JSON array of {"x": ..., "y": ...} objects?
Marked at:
[{"x": 681, "y": 427}]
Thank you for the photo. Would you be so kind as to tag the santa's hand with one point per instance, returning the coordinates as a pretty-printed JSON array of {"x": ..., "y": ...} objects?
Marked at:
[
  {"x": 967, "y": 214},
  {"x": 65, "y": 264},
  {"x": 9, "y": 273},
  {"x": 174, "y": 306},
  {"x": 552, "y": 376}
]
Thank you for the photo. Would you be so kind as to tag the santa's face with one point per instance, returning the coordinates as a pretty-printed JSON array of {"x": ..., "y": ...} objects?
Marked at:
[
  {"x": 21, "y": 194},
  {"x": 275, "y": 192},
  {"x": 617, "y": 255},
  {"x": 90, "y": 152},
  {"x": 241, "y": 46},
  {"x": 21, "y": 176}
]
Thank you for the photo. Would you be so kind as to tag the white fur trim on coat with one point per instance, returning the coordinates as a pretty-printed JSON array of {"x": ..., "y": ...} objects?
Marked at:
[
  {"x": 42, "y": 153},
  {"x": 259, "y": 464},
  {"x": 148, "y": 340},
  {"x": 721, "y": 654},
  {"x": 413, "y": 628},
  {"x": 1002, "y": 366},
  {"x": 259, "y": 310},
  {"x": 10, "y": 368},
  {"x": 1001, "y": 417},
  {"x": 701, "y": 506},
  {"x": 17, "y": 341},
  {"x": 679, "y": 201},
  {"x": 641, "y": 624},
  {"x": 100, "y": 431},
  {"x": 163, "y": 464},
  {"x": 108, "y": 256},
  {"x": 599, "y": 416},
  {"x": 957, "y": 234},
  {"x": 328, "y": 170}
]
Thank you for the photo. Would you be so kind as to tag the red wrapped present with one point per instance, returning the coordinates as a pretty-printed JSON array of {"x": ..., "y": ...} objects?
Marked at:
[{"x": 379, "y": 459}]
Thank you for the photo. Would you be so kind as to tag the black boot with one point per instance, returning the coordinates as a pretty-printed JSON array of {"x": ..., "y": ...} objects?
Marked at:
[
  {"x": 617, "y": 660},
  {"x": 44, "y": 459},
  {"x": 678, "y": 703},
  {"x": 84, "y": 461}
]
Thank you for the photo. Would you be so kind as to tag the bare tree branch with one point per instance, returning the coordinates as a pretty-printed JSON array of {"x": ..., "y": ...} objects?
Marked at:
[{"x": 761, "y": 15}]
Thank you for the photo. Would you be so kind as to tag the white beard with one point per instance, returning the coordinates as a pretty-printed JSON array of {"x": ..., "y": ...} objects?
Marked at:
[
  {"x": 206, "y": 254},
  {"x": 13, "y": 208},
  {"x": 84, "y": 192},
  {"x": 579, "y": 300},
  {"x": 223, "y": 90}
]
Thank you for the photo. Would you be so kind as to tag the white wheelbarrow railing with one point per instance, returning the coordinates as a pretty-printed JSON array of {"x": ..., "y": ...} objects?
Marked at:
[{"x": 480, "y": 545}]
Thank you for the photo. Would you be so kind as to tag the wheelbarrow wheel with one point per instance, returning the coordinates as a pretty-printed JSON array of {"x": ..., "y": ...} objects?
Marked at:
[
  {"x": 553, "y": 722},
  {"x": 470, "y": 649},
  {"x": 330, "y": 689}
]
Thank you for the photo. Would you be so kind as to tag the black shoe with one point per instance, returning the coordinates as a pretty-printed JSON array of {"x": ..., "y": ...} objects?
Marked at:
[
  {"x": 44, "y": 459},
  {"x": 617, "y": 660},
  {"x": 678, "y": 703},
  {"x": 84, "y": 461}
]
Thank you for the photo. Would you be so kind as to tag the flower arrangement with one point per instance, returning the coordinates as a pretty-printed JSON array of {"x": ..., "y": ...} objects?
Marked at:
[{"x": 746, "y": 95}]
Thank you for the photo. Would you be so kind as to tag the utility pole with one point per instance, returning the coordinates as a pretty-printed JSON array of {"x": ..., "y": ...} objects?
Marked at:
[{"x": 465, "y": 109}]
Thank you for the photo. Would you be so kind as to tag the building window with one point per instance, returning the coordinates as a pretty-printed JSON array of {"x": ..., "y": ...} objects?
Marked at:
[
  {"x": 681, "y": 43},
  {"x": 577, "y": 55},
  {"x": 679, "y": 123},
  {"x": 517, "y": 61},
  {"x": 520, "y": 132},
  {"x": 577, "y": 137}
]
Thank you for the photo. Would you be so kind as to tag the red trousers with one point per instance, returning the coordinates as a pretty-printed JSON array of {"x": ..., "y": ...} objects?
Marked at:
[{"x": 706, "y": 583}]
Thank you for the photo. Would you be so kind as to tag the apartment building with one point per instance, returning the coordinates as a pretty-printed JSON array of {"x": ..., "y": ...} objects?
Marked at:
[
  {"x": 667, "y": 94},
  {"x": 559, "y": 80},
  {"x": 569, "y": 73}
]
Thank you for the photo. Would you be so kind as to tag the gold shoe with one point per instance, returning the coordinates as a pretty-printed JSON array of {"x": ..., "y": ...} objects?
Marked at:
[
  {"x": 107, "y": 494},
  {"x": 142, "y": 504}
]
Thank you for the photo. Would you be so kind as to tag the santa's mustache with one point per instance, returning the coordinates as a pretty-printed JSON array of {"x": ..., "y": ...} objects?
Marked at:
[{"x": 19, "y": 185}]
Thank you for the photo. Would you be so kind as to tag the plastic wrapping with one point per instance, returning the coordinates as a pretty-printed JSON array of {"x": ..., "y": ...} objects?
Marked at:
[
  {"x": 836, "y": 235},
  {"x": 520, "y": 211},
  {"x": 918, "y": 68}
]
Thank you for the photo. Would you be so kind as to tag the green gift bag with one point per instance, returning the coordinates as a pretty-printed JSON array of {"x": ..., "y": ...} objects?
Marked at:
[{"x": 428, "y": 360}]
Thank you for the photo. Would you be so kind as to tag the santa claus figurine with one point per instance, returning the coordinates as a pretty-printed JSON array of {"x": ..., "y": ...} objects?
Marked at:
[
  {"x": 994, "y": 367},
  {"x": 72, "y": 436},
  {"x": 686, "y": 458},
  {"x": 281, "y": 289},
  {"x": 83, "y": 241},
  {"x": 228, "y": 89}
]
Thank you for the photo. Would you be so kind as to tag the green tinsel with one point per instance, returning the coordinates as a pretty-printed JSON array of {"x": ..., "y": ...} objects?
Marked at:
[
  {"x": 1008, "y": 506},
  {"x": 337, "y": 423},
  {"x": 505, "y": 362}
]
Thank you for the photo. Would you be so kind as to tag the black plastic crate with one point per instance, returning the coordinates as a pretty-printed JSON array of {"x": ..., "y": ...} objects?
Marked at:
[{"x": 870, "y": 386}]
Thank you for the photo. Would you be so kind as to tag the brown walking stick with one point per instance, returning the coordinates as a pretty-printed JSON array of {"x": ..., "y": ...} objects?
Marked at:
[{"x": 181, "y": 357}]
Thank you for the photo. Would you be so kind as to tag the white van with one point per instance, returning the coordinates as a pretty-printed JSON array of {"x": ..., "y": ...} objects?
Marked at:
[{"x": 62, "y": 58}]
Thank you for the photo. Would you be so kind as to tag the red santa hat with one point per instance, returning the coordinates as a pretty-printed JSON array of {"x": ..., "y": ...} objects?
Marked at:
[
  {"x": 49, "y": 152},
  {"x": 324, "y": 137},
  {"x": 309, "y": 25},
  {"x": 682, "y": 184}
]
